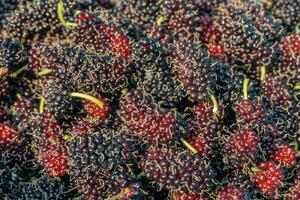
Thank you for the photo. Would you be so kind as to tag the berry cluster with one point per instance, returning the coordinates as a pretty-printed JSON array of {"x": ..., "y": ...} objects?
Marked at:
[{"x": 149, "y": 99}]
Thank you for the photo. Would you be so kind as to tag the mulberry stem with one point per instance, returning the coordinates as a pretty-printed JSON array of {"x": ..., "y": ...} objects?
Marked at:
[
  {"x": 60, "y": 9},
  {"x": 297, "y": 29},
  {"x": 88, "y": 97},
  {"x": 44, "y": 72},
  {"x": 19, "y": 71},
  {"x": 215, "y": 102},
  {"x": 255, "y": 169},
  {"x": 187, "y": 145},
  {"x": 67, "y": 138},
  {"x": 245, "y": 88},
  {"x": 263, "y": 73},
  {"x": 19, "y": 96},
  {"x": 42, "y": 105},
  {"x": 160, "y": 20},
  {"x": 297, "y": 87}
]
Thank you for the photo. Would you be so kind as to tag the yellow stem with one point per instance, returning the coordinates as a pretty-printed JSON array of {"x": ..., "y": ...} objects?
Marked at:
[
  {"x": 19, "y": 96},
  {"x": 67, "y": 138},
  {"x": 215, "y": 102},
  {"x": 160, "y": 20},
  {"x": 88, "y": 97},
  {"x": 44, "y": 72},
  {"x": 297, "y": 29},
  {"x": 42, "y": 105},
  {"x": 19, "y": 71},
  {"x": 297, "y": 87},
  {"x": 190, "y": 147},
  {"x": 60, "y": 10},
  {"x": 263, "y": 73},
  {"x": 255, "y": 169},
  {"x": 245, "y": 88}
]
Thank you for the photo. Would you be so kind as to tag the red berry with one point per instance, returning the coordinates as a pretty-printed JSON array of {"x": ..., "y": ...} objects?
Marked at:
[
  {"x": 291, "y": 46},
  {"x": 201, "y": 144},
  {"x": 95, "y": 111},
  {"x": 11, "y": 141},
  {"x": 241, "y": 148},
  {"x": 216, "y": 50},
  {"x": 203, "y": 120},
  {"x": 210, "y": 33},
  {"x": 268, "y": 178},
  {"x": 53, "y": 159},
  {"x": 49, "y": 145},
  {"x": 249, "y": 112},
  {"x": 285, "y": 156},
  {"x": 146, "y": 120},
  {"x": 40, "y": 58},
  {"x": 243, "y": 141},
  {"x": 119, "y": 44},
  {"x": 231, "y": 193},
  {"x": 7, "y": 135},
  {"x": 276, "y": 93}
]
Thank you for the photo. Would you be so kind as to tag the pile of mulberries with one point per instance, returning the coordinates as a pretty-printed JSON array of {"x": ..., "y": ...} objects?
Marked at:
[{"x": 149, "y": 99}]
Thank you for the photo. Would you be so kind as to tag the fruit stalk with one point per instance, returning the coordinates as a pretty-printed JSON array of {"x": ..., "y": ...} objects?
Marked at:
[
  {"x": 88, "y": 97},
  {"x": 44, "y": 72},
  {"x": 42, "y": 105},
  {"x": 215, "y": 102},
  {"x": 60, "y": 10},
  {"x": 263, "y": 73},
  {"x": 19, "y": 71},
  {"x": 245, "y": 88},
  {"x": 187, "y": 145}
]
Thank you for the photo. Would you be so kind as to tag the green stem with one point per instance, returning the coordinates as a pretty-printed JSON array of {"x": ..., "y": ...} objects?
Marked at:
[
  {"x": 263, "y": 73},
  {"x": 60, "y": 10},
  {"x": 42, "y": 105},
  {"x": 67, "y": 138},
  {"x": 245, "y": 88},
  {"x": 215, "y": 102},
  {"x": 44, "y": 72},
  {"x": 160, "y": 20},
  {"x": 297, "y": 29},
  {"x": 19, "y": 71},
  {"x": 187, "y": 145},
  {"x": 88, "y": 97},
  {"x": 297, "y": 87},
  {"x": 19, "y": 96},
  {"x": 255, "y": 169}
]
